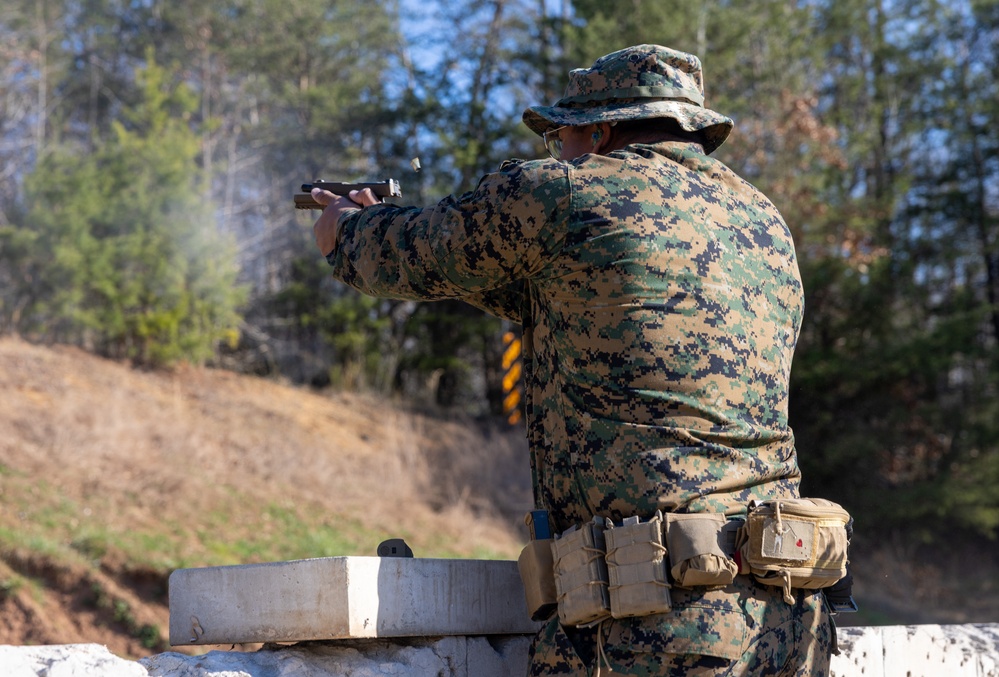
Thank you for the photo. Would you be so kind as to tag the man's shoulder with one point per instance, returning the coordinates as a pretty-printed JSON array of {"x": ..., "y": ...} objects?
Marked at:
[
  {"x": 525, "y": 177},
  {"x": 545, "y": 167}
]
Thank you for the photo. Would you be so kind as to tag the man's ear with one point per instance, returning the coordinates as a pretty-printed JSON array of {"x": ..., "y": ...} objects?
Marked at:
[{"x": 601, "y": 137}]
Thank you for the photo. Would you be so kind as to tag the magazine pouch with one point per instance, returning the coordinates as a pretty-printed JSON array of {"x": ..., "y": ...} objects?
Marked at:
[
  {"x": 536, "y": 568},
  {"x": 700, "y": 548},
  {"x": 636, "y": 567},
  {"x": 581, "y": 574}
]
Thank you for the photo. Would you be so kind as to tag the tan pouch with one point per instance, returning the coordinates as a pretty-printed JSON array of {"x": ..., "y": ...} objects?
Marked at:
[
  {"x": 699, "y": 545},
  {"x": 537, "y": 570},
  {"x": 636, "y": 569},
  {"x": 581, "y": 574},
  {"x": 796, "y": 543}
]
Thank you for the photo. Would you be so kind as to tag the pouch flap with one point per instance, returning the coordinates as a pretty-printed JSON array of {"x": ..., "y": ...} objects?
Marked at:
[{"x": 689, "y": 535}]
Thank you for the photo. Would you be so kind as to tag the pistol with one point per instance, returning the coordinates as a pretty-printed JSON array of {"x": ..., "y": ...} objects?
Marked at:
[{"x": 383, "y": 189}]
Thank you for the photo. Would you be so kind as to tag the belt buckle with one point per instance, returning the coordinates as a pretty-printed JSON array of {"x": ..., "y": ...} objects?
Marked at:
[{"x": 841, "y": 606}]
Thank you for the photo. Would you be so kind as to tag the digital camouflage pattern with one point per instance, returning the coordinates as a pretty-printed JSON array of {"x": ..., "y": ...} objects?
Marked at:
[
  {"x": 745, "y": 630},
  {"x": 640, "y": 82},
  {"x": 661, "y": 302}
]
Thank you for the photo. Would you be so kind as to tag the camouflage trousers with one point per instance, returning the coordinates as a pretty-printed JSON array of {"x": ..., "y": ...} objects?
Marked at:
[{"x": 743, "y": 629}]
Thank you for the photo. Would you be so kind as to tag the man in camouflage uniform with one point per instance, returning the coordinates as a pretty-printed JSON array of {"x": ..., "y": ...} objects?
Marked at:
[{"x": 660, "y": 299}]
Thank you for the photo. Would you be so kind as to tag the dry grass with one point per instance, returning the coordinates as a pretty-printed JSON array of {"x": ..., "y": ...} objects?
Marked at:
[{"x": 114, "y": 472}]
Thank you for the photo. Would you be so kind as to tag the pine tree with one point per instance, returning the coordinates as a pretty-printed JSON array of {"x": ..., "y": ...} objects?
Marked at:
[{"x": 127, "y": 255}]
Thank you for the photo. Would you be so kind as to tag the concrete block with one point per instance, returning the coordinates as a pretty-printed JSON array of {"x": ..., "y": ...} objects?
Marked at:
[{"x": 346, "y": 597}]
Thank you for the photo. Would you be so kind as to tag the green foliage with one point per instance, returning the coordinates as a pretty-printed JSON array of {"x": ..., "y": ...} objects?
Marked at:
[
  {"x": 318, "y": 71},
  {"x": 421, "y": 349},
  {"x": 607, "y": 28},
  {"x": 126, "y": 255},
  {"x": 353, "y": 328},
  {"x": 466, "y": 100},
  {"x": 871, "y": 125},
  {"x": 449, "y": 341},
  {"x": 10, "y": 585},
  {"x": 894, "y": 378},
  {"x": 92, "y": 545}
]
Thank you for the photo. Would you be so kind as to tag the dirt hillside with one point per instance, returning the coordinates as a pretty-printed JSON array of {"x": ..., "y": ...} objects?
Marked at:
[{"x": 111, "y": 477}]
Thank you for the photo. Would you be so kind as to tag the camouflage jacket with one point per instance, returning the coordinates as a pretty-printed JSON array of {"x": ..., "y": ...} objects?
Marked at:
[{"x": 661, "y": 302}]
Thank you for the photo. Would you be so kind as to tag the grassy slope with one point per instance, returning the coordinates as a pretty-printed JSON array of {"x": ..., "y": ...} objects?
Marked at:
[{"x": 111, "y": 477}]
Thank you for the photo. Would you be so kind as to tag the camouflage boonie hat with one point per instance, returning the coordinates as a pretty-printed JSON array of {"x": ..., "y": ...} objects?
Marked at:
[{"x": 636, "y": 83}]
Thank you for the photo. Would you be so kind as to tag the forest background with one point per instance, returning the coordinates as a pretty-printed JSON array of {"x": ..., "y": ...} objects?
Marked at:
[{"x": 150, "y": 150}]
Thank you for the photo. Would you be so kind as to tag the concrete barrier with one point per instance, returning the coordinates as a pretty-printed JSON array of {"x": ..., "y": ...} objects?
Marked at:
[
  {"x": 368, "y": 616},
  {"x": 456, "y": 613},
  {"x": 346, "y": 598}
]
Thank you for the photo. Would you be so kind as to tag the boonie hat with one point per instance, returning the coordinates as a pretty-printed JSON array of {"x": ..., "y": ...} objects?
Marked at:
[{"x": 636, "y": 83}]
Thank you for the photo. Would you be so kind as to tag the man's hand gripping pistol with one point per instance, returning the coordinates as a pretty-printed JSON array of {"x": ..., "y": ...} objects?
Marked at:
[{"x": 382, "y": 189}]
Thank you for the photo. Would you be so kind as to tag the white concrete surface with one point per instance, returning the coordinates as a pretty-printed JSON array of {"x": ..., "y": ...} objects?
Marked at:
[
  {"x": 65, "y": 660},
  {"x": 909, "y": 651},
  {"x": 918, "y": 651},
  {"x": 498, "y": 656},
  {"x": 346, "y": 597}
]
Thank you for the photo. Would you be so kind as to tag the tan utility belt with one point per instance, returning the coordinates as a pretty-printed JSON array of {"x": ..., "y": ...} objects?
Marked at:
[{"x": 604, "y": 569}]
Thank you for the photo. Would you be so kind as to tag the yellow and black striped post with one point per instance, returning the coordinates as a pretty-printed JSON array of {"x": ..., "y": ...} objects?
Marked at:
[{"x": 511, "y": 378}]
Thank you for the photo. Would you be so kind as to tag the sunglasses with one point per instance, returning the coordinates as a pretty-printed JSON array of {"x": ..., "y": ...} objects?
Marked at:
[{"x": 553, "y": 142}]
